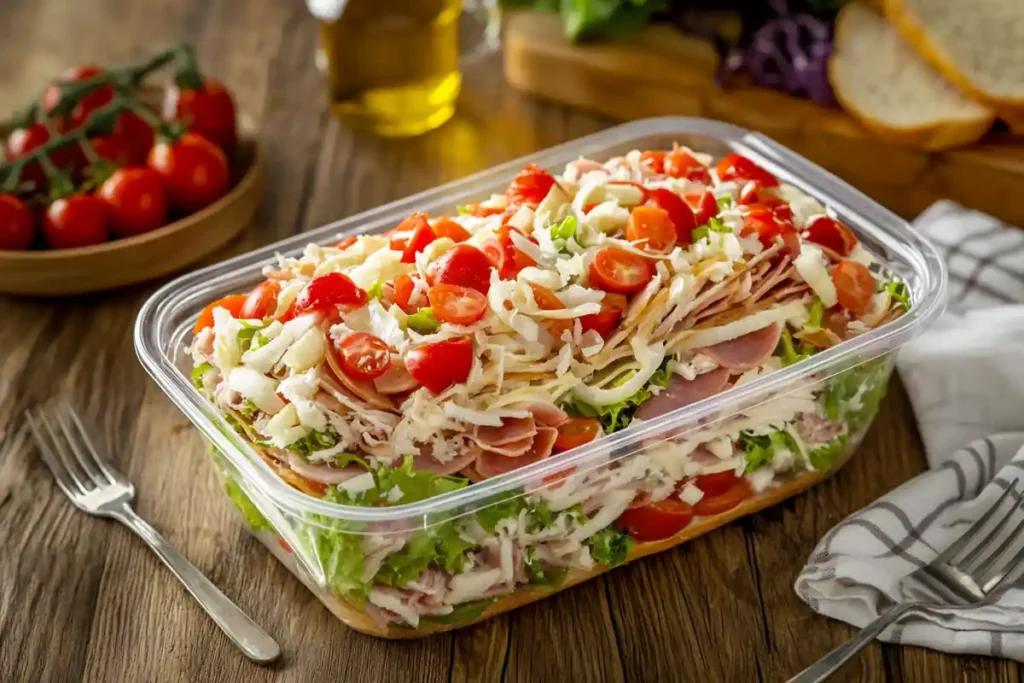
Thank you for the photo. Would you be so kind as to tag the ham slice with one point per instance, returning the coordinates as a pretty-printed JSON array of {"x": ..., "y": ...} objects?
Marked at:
[
  {"x": 323, "y": 473},
  {"x": 748, "y": 351},
  {"x": 682, "y": 392},
  {"x": 513, "y": 449},
  {"x": 512, "y": 430},
  {"x": 397, "y": 379},
  {"x": 492, "y": 464},
  {"x": 547, "y": 414},
  {"x": 426, "y": 462},
  {"x": 364, "y": 390}
]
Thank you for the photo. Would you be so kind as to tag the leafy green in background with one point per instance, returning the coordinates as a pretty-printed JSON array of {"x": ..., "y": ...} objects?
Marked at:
[{"x": 596, "y": 18}]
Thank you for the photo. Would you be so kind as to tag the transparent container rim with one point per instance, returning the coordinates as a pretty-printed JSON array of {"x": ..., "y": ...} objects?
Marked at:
[{"x": 929, "y": 301}]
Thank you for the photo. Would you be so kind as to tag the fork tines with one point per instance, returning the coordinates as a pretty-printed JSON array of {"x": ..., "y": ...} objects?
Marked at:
[{"x": 985, "y": 550}]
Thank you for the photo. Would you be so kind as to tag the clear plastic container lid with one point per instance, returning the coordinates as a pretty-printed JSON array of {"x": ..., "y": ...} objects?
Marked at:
[{"x": 164, "y": 325}]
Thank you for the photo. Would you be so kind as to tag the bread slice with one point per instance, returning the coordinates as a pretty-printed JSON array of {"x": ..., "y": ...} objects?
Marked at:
[
  {"x": 879, "y": 79},
  {"x": 978, "y": 45}
]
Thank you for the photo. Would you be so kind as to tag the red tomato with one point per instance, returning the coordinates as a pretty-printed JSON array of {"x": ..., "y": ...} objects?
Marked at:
[
  {"x": 618, "y": 270},
  {"x": 412, "y": 236},
  {"x": 194, "y": 171},
  {"x": 232, "y": 303},
  {"x": 16, "y": 229},
  {"x": 560, "y": 475},
  {"x": 644, "y": 192},
  {"x": 588, "y": 207},
  {"x": 345, "y": 243},
  {"x": 262, "y": 301},
  {"x": 530, "y": 186},
  {"x": 76, "y": 221},
  {"x": 446, "y": 227},
  {"x": 679, "y": 211},
  {"x": 442, "y": 364},
  {"x": 481, "y": 211},
  {"x": 737, "y": 167},
  {"x": 137, "y": 135},
  {"x": 86, "y": 105},
  {"x": 607, "y": 320},
  {"x": 783, "y": 212},
  {"x": 855, "y": 286},
  {"x": 457, "y": 304},
  {"x": 680, "y": 164},
  {"x": 494, "y": 251},
  {"x": 464, "y": 265},
  {"x": 768, "y": 228},
  {"x": 654, "y": 226},
  {"x": 364, "y": 356},
  {"x": 655, "y": 161},
  {"x": 752, "y": 193},
  {"x": 514, "y": 258},
  {"x": 328, "y": 291},
  {"x": 22, "y": 141},
  {"x": 136, "y": 201},
  {"x": 828, "y": 232},
  {"x": 547, "y": 300},
  {"x": 727, "y": 500},
  {"x": 704, "y": 206},
  {"x": 404, "y": 287},
  {"x": 714, "y": 484},
  {"x": 208, "y": 110},
  {"x": 112, "y": 148},
  {"x": 656, "y": 521},
  {"x": 576, "y": 431}
]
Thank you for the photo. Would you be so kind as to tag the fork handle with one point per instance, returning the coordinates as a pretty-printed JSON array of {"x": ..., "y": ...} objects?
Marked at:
[
  {"x": 830, "y": 663},
  {"x": 235, "y": 624}
]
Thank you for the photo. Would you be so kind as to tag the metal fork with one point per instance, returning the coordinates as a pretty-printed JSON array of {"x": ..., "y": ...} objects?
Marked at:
[
  {"x": 975, "y": 570},
  {"x": 94, "y": 487}
]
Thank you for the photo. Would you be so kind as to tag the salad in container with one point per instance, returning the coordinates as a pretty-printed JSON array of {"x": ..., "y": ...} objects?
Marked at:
[{"x": 454, "y": 405}]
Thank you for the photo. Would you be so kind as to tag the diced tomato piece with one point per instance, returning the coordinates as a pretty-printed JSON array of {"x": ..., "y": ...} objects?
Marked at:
[
  {"x": 714, "y": 484},
  {"x": 457, "y": 304},
  {"x": 346, "y": 243},
  {"x": 549, "y": 301},
  {"x": 446, "y": 227},
  {"x": 654, "y": 160},
  {"x": 412, "y": 236},
  {"x": 704, "y": 206},
  {"x": 262, "y": 301},
  {"x": 481, "y": 211},
  {"x": 576, "y": 431},
  {"x": 329, "y": 291},
  {"x": 652, "y": 228},
  {"x": 514, "y": 258},
  {"x": 364, "y": 356},
  {"x": 727, "y": 500},
  {"x": 621, "y": 271},
  {"x": 679, "y": 211},
  {"x": 680, "y": 164},
  {"x": 605, "y": 322},
  {"x": 855, "y": 286},
  {"x": 442, "y": 364},
  {"x": 768, "y": 228},
  {"x": 530, "y": 186},
  {"x": 588, "y": 207},
  {"x": 657, "y": 521},
  {"x": 783, "y": 212},
  {"x": 464, "y": 265},
  {"x": 737, "y": 167},
  {"x": 828, "y": 232},
  {"x": 404, "y": 287},
  {"x": 232, "y": 304}
]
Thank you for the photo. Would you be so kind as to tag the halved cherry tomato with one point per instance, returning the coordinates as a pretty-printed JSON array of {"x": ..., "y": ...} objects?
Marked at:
[
  {"x": 412, "y": 236},
  {"x": 644, "y": 192},
  {"x": 604, "y": 322},
  {"x": 514, "y": 258},
  {"x": 855, "y": 286},
  {"x": 715, "y": 484},
  {"x": 547, "y": 300},
  {"x": 679, "y": 211},
  {"x": 262, "y": 301},
  {"x": 704, "y": 206},
  {"x": 232, "y": 304},
  {"x": 654, "y": 160},
  {"x": 328, "y": 291},
  {"x": 494, "y": 251},
  {"x": 727, "y": 500},
  {"x": 446, "y": 227},
  {"x": 464, "y": 265},
  {"x": 768, "y": 228},
  {"x": 654, "y": 226},
  {"x": 737, "y": 167},
  {"x": 618, "y": 270},
  {"x": 439, "y": 365},
  {"x": 576, "y": 431},
  {"x": 656, "y": 521},
  {"x": 345, "y": 243},
  {"x": 404, "y": 287},
  {"x": 680, "y": 164},
  {"x": 530, "y": 186},
  {"x": 457, "y": 304},
  {"x": 364, "y": 356},
  {"x": 828, "y": 232}
]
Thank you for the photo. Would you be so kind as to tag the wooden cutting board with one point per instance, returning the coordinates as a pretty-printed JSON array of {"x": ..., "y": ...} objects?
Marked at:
[{"x": 661, "y": 72}]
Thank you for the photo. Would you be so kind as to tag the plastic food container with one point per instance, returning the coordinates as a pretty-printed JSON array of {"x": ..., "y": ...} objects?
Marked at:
[{"x": 331, "y": 547}]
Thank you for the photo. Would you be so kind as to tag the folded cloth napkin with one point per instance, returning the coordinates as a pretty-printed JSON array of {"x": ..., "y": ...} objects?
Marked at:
[{"x": 965, "y": 379}]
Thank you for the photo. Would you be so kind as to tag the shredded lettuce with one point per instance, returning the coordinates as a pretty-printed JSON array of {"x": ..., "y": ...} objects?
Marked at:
[
  {"x": 346, "y": 459},
  {"x": 824, "y": 457},
  {"x": 246, "y": 335},
  {"x": 541, "y": 574},
  {"x": 761, "y": 449},
  {"x": 253, "y": 517},
  {"x": 899, "y": 293},
  {"x": 440, "y": 545},
  {"x": 423, "y": 321},
  {"x": 617, "y": 416},
  {"x": 564, "y": 230},
  {"x": 197, "y": 375},
  {"x": 312, "y": 442},
  {"x": 610, "y": 546},
  {"x": 375, "y": 291},
  {"x": 789, "y": 351},
  {"x": 815, "y": 314},
  {"x": 249, "y": 409},
  {"x": 508, "y": 505}
]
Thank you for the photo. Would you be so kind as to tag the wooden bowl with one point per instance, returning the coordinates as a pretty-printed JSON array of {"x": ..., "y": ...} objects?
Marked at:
[{"x": 143, "y": 257}]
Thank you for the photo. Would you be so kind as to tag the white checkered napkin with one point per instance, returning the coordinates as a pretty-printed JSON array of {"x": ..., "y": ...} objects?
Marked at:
[{"x": 965, "y": 379}]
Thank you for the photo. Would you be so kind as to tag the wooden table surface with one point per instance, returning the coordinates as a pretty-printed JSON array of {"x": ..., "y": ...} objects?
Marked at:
[{"x": 82, "y": 599}]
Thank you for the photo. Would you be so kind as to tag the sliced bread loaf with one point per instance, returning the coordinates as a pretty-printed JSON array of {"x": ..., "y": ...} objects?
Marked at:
[
  {"x": 880, "y": 80},
  {"x": 976, "y": 44}
]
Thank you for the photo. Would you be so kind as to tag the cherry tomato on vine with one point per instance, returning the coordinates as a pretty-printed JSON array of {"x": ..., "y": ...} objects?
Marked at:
[
  {"x": 194, "y": 171},
  {"x": 113, "y": 148},
  {"x": 80, "y": 220},
  {"x": 439, "y": 365},
  {"x": 135, "y": 199},
  {"x": 208, "y": 110},
  {"x": 87, "y": 104},
  {"x": 364, "y": 356},
  {"x": 137, "y": 136},
  {"x": 22, "y": 141},
  {"x": 16, "y": 229}
]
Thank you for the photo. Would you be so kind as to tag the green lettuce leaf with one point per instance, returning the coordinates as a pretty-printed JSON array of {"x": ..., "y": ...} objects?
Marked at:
[
  {"x": 197, "y": 374},
  {"x": 761, "y": 449},
  {"x": 460, "y": 614},
  {"x": 610, "y": 546},
  {"x": 617, "y": 416},
  {"x": 564, "y": 230},
  {"x": 815, "y": 315},
  {"x": 375, "y": 291},
  {"x": 789, "y": 351},
  {"x": 824, "y": 457},
  {"x": 253, "y": 517},
  {"x": 899, "y": 293},
  {"x": 312, "y": 442}
]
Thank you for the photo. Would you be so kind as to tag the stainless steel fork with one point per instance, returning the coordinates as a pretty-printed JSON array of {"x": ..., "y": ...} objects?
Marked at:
[
  {"x": 94, "y": 487},
  {"x": 975, "y": 570}
]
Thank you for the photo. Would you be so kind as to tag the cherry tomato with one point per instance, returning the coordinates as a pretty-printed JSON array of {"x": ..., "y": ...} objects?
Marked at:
[
  {"x": 113, "y": 148},
  {"x": 613, "y": 306},
  {"x": 655, "y": 161},
  {"x": 576, "y": 431},
  {"x": 412, "y": 236},
  {"x": 137, "y": 135},
  {"x": 76, "y": 221},
  {"x": 547, "y": 300},
  {"x": 618, "y": 270},
  {"x": 704, "y": 206},
  {"x": 656, "y": 521},
  {"x": 714, "y": 484},
  {"x": 495, "y": 252},
  {"x": 737, "y": 167},
  {"x": 828, "y": 232},
  {"x": 446, "y": 227},
  {"x": 457, "y": 304},
  {"x": 855, "y": 286},
  {"x": 86, "y": 105},
  {"x": 22, "y": 141},
  {"x": 328, "y": 291},
  {"x": 768, "y": 228},
  {"x": 680, "y": 164},
  {"x": 135, "y": 199},
  {"x": 727, "y": 500},
  {"x": 207, "y": 110},
  {"x": 364, "y": 356},
  {"x": 678, "y": 211},
  {"x": 442, "y": 364},
  {"x": 345, "y": 243},
  {"x": 514, "y": 259},
  {"x": 654, "y": 226},
  {"x": 464, "y": 265},
  {"x": 194, "y": 171},
  {"x": 530, "y": 186},
  {"x": 232, "y": 303},
  {"x": 16, "y": 229},
  {"x": 404, "y": 287},
  {"x": 262, "y": 301}
]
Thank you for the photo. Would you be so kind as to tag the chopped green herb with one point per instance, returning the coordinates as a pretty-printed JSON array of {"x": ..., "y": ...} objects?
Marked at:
[
  {"x": 423, "y": 321},
  {"x": 375, "y": 291},
  {"x": 564, "y": 230},
  {"x": 197, "y": 375},
  {"x": 610, "y": 546}
]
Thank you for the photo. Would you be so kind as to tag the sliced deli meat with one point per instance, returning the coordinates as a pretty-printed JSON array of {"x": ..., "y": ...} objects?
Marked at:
[
  {"x": 323, "y": 473},
  {"x": 491, "y": 464},
  {"x": 426, "y": 462},
  {"x": 512, "y": 430},
  {"x": 748, "y": 351},
  {"x": 682, "y": 392}
]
